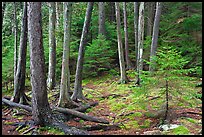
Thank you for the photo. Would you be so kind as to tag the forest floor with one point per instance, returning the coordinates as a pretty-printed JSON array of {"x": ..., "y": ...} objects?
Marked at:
[{"x": 132, "y": 108}]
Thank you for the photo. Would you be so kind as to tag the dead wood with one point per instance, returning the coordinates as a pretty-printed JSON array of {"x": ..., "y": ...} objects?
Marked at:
[
  {"x": 81, "y": 115},
  {"x": 103, "y": 127},
  {"x": 28, "y": 130}
]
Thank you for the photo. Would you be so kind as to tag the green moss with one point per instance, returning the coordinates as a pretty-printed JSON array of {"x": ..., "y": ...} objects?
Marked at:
[
  {"x": 130, "y": 124},
  {"x": 181, "y": 130},
  {"x": 192, "y": 120},
  {"x": 146, "y": 124}
]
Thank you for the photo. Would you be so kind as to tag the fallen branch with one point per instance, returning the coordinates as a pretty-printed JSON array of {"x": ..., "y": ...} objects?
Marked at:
[
  {"x": 28, "y": 130},
  {"x": 81, "y": 115}
]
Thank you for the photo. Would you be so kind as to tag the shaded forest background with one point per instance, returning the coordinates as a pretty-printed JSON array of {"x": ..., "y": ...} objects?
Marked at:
[{"x": 180, "y": 29}]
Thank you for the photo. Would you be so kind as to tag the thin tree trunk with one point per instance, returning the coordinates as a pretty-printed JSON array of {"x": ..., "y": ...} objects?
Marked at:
[
  {"x": 150, "y": 17},
  {"x": 57, "y": 14},
  {"x": 128, "y": 62},
  {"x": 136, "y": 29},
  {"x": 101, "y": 20},
  {"x": 15, "y": 41},
  {"x": 140, "y": 41},
  {"x": 65, "y": 100},
  {"x": 155, "y": 36},
  {"x": 52, "y": 46},
  {"x": 3, "y": 10},
  {"x": 123, "y": 77},
  {"x": 19, "y": 80},
  {"x": 41, "y": 111},
  {"x": 78, "y": 76}
]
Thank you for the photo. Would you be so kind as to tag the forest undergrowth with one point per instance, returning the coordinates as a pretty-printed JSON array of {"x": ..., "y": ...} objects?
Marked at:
[{"x": 133, "y": 109}]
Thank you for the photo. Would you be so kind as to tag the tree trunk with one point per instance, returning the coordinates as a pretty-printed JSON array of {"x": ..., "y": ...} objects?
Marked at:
[
  {"x": 65, "y": 100},
  {"x": 19, "y": 80},
  {"x": 3, "y": 10},
  {"x": 57, "y": 4},
  {"x": 136, "y": 29},
  {"x": 78, "y": 76},
  {"x": 155, "y": 36},
  {"x": 52, "y": 46},
  {"x": 15, "y": 41},
  {"x": 112, "y": 11},
  {"x": 128, "y": 62},
  {"x": 140, "y": 41},
  {"x": 101, "y": 20},
  {"x": 41, "y": 111},
  {"x": 123, "y": 77},
  {"x": 150, "y": 17}
]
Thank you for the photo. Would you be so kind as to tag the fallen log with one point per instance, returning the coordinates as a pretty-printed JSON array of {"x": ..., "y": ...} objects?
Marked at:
[
  {"x": 81, "y": 115},
  {"x": 85, "y": 107},
  {"x": 13, "y": 104}
]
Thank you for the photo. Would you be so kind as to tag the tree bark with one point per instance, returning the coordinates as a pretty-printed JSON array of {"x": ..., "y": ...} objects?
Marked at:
[
  {"x": 123, "y": 77},
  {"x": 128, "y": 62},
  {"x": 3, "y": 10},
  {"x": 101, "y": 20},
  {"x": 150, "y": 17},
  {"x": 41, "y": 111},
  {"x": 65, "y": 99},
  {"x": 136, "y": 29},
  {"x": 155, "y": 36},
  {"x": 52, "y": 46},
  {"x": 15, "y": 40},
  {"x": 57, "y": 14},
  {"x": 19, "y": 80},
  {"x": 140, "y": 41},
  {"x": 78, "y": 76},
  {"x": 112, "y": 11}
]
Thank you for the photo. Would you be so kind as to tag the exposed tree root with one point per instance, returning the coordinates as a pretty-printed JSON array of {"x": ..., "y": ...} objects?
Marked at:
[
  {"x": 81, "y": 115},
  {"x": 85, "y": 107},
  {"x": 59, "y": 124},
  {"x": 104, "y": 127}
]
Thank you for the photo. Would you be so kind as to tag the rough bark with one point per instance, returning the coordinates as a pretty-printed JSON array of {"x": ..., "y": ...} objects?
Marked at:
[
  {"x": 155, "y": 35},
  {"x": 57, "y": 14},
  {"x": 101, "y": 20},
  {"x": 52, "y": 46},
  {"x": 150, "y": 17},
  {"x": 3, "y": 10},
  {"x": 140, "y": 41},
  {"x": 123, "y": 77},
  {"x": 136, "y": 29},
  {"x": 41, "y": 111},
  {"x": 19, "y": 80},
  {"x": 128, "y": 62},
  {"x": 65, "y": 99},
  {"x": 78, "y": 76},
  {"x": 15, "y": 40},
  {"x": 112, "y": 11}
]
